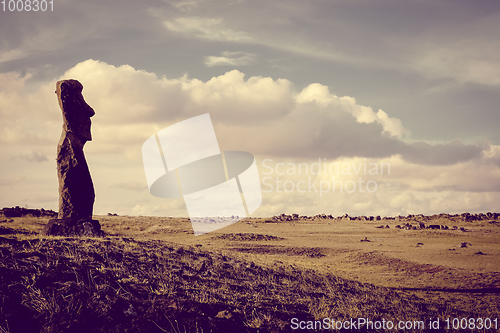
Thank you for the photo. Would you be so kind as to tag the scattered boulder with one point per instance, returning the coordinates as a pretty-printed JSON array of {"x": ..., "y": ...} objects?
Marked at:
[
  {"x": 11, "y": 231},
  {"x": 21, "y": 211},
  {"x": 130, "y": 312},
  {"x": 73, "y": 227},
  {"x": 225, "y": 314},
  {"x": 418, "y": 218},
  {"x": 365, "y": 240},
  {"x": 247, "y": 237}
]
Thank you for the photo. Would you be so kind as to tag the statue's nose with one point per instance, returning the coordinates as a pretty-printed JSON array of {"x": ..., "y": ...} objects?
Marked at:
[
  {"x": 87, "y": 109},
  {"x": 90, "y": 111}
]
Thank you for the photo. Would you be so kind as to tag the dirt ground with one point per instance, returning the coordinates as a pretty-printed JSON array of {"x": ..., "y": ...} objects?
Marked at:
[
  {"x": 427, "y": 259},
  {"x": 459, "y": 266}
]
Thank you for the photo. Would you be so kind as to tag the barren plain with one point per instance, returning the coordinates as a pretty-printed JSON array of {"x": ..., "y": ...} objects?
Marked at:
[{"x": 380, "y": 271}]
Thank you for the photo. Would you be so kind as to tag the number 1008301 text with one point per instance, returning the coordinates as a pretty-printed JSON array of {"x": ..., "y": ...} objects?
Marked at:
[{"x": 27, "y": 5}]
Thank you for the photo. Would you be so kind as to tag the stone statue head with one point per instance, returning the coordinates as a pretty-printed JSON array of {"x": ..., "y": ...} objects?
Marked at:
[{"x": 76, "y": 112}]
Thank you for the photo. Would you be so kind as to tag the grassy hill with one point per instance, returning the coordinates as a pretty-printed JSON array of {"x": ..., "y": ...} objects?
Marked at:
[{"x": 117, "y": 284}]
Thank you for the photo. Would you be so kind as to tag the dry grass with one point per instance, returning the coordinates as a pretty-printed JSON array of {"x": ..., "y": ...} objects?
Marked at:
[{"x": 119, "y": 284}]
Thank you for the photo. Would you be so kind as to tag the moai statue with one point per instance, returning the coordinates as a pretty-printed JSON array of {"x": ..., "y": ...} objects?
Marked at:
[{"x": 76, "y": 190}]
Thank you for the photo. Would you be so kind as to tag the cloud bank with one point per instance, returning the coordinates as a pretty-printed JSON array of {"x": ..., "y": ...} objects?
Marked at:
[{"x": 260, "y": 115}]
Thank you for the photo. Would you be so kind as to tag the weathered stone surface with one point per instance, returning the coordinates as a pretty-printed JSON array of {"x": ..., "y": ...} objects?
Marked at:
[
  {"x": 76, "y": 190},
  {"x": 73, "y": 227}
]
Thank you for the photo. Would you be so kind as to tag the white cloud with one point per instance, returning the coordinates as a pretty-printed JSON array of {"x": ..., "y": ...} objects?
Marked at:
[
  {"x": 33, "y": 157},
  {"x": 132, "y": 186},
  {"x": 260, "y": 115},
  {"x": 125, "y": 96},
  {"x": 206, "y": 28},
  {"x": 13, "y": 55},
  {"x": 467, "y": 61},
  {"x": 11, "y": 181},
  {"x": 185, "y": 5},
  {"x": 26, "y": 117},
  {"x": 467, "y": 53},
  {"x": 33, "y": 38},
  {"x": 407, "y": 189},
  {"x": 12, "y": 82},
  {"x": 320, "y": 94},
  {"x": 130, "y": 104},
  {"x": 230, "y": 59}
]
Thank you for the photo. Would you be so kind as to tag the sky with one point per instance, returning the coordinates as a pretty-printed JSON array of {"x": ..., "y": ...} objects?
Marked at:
[{"x": 359, "y": 107}]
